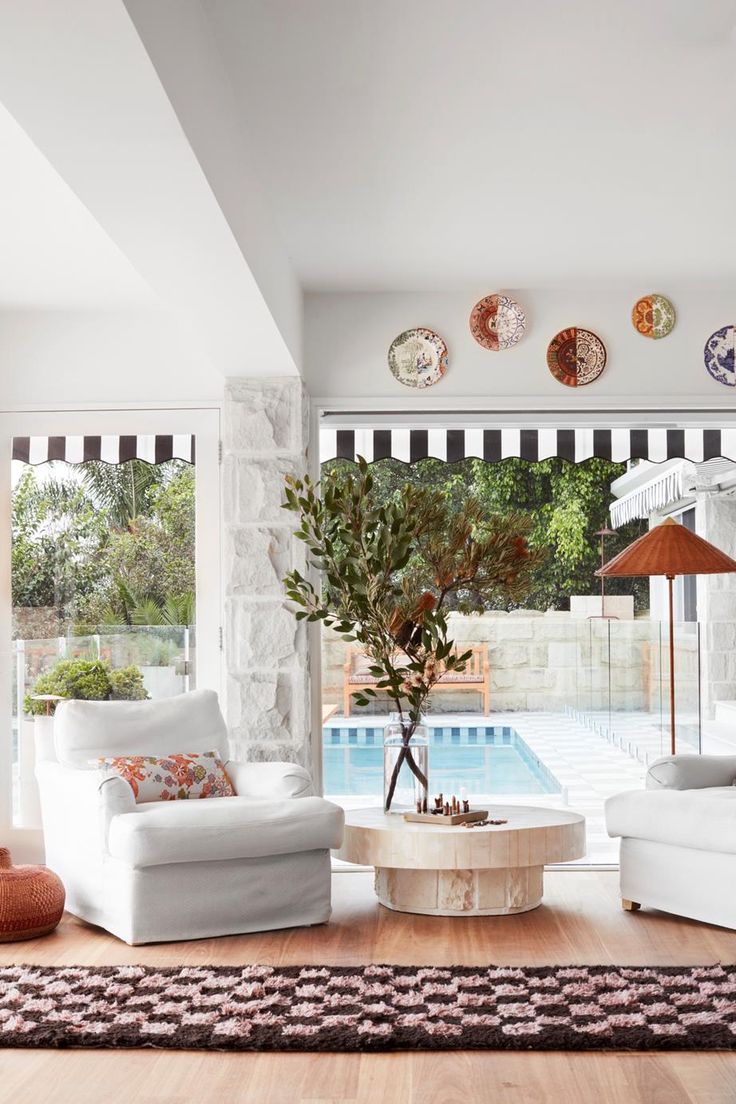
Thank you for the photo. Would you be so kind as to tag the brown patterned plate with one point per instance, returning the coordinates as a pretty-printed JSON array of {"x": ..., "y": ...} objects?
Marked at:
[
  {"x": 576, "y": 357},
  {"x": 497, "y": 322}
]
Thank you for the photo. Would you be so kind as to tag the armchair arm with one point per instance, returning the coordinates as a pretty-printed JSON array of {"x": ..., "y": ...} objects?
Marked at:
[
  {"x": 269, "y": 779},
  {"x": 79, "y": 804},
  {"x": 691, "y": 772}
]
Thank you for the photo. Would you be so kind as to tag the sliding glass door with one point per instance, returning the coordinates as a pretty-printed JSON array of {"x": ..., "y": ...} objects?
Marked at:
[{"x": 109, "y": 573}]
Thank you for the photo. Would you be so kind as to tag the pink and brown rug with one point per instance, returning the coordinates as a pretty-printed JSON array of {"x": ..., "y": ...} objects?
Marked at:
[{"x": 370, "y": 1008}]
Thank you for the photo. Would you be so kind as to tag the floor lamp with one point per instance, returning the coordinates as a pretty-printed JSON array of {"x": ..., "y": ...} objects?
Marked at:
[
  {"x": 603, "y": 533},
  {"x": 669, "y": 549}
]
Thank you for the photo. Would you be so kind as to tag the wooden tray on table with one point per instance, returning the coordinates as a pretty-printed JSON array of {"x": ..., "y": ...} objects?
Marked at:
[{"x": 441, "y": 819}]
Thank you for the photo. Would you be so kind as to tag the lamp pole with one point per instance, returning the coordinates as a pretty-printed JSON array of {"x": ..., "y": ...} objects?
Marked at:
[
  {"x": 670, "y": 581},
  {"x": 603, "y": 533}
]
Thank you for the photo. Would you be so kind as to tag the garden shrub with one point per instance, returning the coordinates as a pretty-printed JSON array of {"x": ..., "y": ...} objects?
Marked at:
[{"x": 86, "y": 680}]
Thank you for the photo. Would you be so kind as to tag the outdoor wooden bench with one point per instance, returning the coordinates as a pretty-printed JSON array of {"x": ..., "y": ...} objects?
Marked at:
[{"x": 475, "y": 676}]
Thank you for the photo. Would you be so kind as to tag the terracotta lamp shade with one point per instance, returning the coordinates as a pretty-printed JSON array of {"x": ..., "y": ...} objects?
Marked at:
[{"x": 669, "y": 549}]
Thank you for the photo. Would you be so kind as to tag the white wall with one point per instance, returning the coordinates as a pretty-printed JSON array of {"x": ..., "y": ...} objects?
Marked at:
[
  {"x": 199, "y": 91},
  {"x": 145, "y": 355},
  {"x": 79, "y": 81},
  {"x": 88, "y": 357},
  {"x": 347, "y": 337}
]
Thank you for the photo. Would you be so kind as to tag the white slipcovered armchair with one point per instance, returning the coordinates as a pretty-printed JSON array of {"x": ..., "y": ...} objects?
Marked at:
[
  {"x": 180, "y": 869},
  {"x": 678, "y": 838}
]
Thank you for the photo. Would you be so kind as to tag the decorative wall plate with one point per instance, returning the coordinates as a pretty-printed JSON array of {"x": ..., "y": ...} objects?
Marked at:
[
  {"x": 576, "y": 357},
  {"x": 418, "y": 358},
  {"x": 719, "y": 355},
  {"x": 653, "y": 316},
  {"x": 497, "y": 322}
]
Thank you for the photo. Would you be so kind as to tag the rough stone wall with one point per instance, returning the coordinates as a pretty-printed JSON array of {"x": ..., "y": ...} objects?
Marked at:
[
  {"x": 266, "y": 428},
  {"x": 538, "y": 661},
  {"x": 36, "y": 622}
]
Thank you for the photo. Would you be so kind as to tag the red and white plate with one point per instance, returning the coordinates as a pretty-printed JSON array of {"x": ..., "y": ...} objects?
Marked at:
[{"x": 497, "y": 322}]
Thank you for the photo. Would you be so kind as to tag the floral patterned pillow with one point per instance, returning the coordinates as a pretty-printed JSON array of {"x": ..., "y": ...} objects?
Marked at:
[{"x": 182, "y": 776}]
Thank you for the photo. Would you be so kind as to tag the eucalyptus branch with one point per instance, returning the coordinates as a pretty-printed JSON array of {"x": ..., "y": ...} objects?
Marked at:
[{"x": 388, "y": 571}]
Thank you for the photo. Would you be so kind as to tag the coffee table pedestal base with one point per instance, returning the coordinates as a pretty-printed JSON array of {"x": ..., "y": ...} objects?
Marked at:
[{"x": 494, "y": 892}]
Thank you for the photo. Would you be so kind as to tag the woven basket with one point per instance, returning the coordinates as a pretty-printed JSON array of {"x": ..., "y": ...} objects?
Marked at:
[{"x": 31, "y": 900}]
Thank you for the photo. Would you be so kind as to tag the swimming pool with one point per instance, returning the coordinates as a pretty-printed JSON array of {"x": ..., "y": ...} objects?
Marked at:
[{"x": 485, "y": 759}]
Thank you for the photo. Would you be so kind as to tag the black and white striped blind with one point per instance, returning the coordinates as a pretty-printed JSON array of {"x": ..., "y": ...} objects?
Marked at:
[
  {"x": 576, "y": 445},
  {"x": 155, "y": 449}
]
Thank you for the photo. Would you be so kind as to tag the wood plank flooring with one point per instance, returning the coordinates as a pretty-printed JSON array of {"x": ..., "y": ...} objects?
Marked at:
[{"x": 581, "y": 921}]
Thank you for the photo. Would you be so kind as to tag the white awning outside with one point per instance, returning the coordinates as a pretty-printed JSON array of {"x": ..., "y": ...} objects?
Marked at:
[{"x": 657, "y": 493}]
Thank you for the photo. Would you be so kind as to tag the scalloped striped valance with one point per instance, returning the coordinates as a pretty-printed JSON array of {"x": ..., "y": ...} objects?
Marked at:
[
  {"x": 153, "y": 448},
  {"x": 620, "y": 445}
]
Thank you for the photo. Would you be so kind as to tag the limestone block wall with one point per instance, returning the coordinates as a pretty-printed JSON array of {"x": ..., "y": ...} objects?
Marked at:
[
  {"x": 620, "y": 606},
  {"x": 716, "y": 521},
  {"x": 689, "y": 658},
  {"x": 538, "y": 661},
  {"x": 266, "y": 426}
]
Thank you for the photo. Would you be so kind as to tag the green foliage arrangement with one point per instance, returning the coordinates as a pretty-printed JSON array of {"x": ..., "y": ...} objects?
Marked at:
[
  {"x": 87, "y": 680},
  {"x": 388, "y": 572},
  {"x": 565, "y": 504}
]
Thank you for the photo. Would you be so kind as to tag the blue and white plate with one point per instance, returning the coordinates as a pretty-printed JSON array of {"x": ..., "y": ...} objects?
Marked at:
[{"x": 720, "y": 355}]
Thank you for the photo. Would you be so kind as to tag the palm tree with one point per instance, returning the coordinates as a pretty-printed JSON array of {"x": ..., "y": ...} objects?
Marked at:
[
  {"x": 142, "y": 610},
  {"x": 176, "y": 610},
  {"x": 124, "y": 490}
]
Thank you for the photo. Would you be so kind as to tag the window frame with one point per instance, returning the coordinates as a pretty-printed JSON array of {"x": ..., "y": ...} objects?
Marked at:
[
  {"x": 203, "y": 421},
  {"x": 510, "y": 412}
]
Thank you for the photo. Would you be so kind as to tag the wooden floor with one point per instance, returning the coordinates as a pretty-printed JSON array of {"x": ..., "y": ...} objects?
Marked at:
[{"x": 580, "y": 922}]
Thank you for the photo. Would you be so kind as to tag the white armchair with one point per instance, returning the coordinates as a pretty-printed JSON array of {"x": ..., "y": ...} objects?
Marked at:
[
  {"x": 181, "y": 869},
  {"x": 678, "y": 838}
]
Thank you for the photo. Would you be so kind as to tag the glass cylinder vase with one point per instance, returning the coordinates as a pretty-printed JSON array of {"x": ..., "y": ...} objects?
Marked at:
[{"x": 405, "y": 767}]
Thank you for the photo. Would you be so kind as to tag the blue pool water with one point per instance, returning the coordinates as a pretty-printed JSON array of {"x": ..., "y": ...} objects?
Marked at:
[{"x": 484, "y": 759}]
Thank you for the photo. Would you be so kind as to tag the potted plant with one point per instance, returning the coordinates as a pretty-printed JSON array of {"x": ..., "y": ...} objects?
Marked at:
[
  {"x": 86, "y": 680},
  {"x": 390, "y": 571}
]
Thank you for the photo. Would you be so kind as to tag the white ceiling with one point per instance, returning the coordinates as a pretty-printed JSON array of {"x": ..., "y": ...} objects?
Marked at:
[
  {"x": 53, "y": 254},
  {"x": 448, "y": 143}
]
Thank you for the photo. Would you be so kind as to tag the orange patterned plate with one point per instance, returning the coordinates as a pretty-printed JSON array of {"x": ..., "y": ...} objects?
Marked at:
[
  {"x": 653, "y": 316},
  {"x": 576, "y": 356}
]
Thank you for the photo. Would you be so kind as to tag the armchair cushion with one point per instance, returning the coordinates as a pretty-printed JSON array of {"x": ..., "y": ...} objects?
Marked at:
[
  {"x": 701, "y": 819},
  {"x": 232, "y": 828},
  {"x": 264, "y": 780},
  {"x": 691, "y": 772},
  {"x": 85, "y": 730}
]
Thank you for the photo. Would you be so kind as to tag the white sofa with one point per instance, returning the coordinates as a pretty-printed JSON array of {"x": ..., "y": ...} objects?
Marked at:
[
  {"x": 678, "y": 838},
  {"x": 180, "y": 869}
]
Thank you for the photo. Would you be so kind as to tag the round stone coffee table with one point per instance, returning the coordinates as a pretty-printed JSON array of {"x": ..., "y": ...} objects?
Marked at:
[{"x": 456, "y": 871}]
